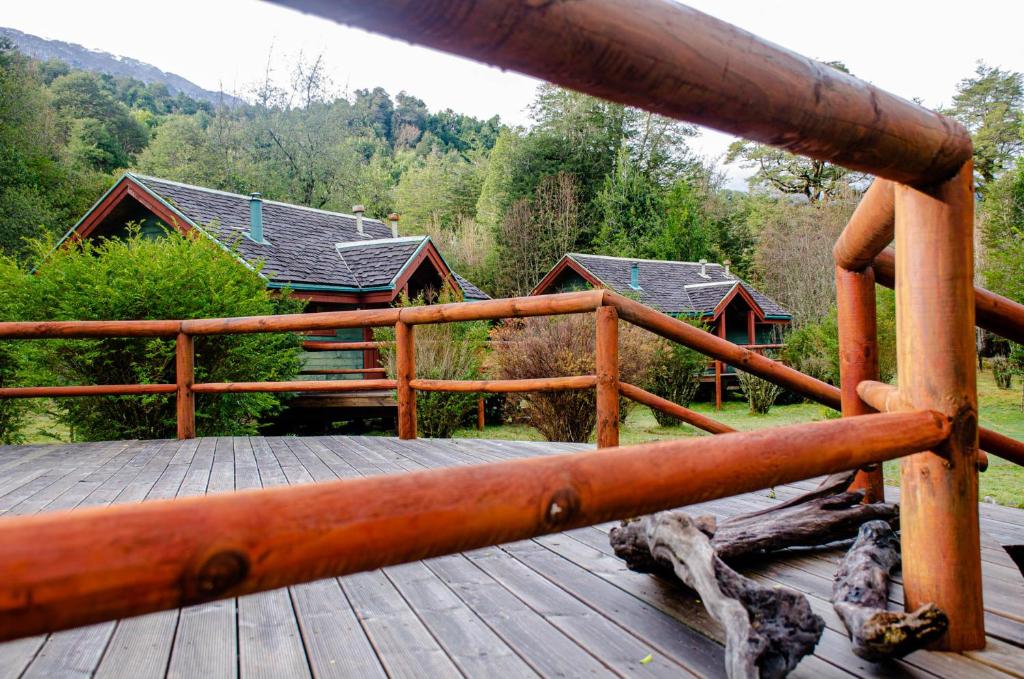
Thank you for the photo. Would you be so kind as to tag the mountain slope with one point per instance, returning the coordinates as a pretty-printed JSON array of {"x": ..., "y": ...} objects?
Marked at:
[{"x": 98, "y": 61}]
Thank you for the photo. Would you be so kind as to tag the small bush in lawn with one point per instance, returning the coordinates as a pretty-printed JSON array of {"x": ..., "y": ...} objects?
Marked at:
[
  {"x": 675, "y": 375},
  {"x": 761, "y": 394},
  {"x": 175, "y": 277},
  {"x": 444, "y": 351},
  {"x": 1002, "y": 371},
  {"x": 563, "y": 346}
]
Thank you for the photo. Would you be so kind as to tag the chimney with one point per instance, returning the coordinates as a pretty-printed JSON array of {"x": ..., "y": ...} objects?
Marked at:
[
  {"x": 359, "y": 210},
  {"x": 634, "y": 276},
  {"x": 727, "y": 263},
  {"x": 393, "y": 219},
  {"x": 256, "y": 217},
  {"x": 704, "y": 268}
]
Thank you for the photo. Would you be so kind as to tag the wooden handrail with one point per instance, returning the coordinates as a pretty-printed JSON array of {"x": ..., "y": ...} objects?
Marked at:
[
  {"x": 870, "y": 228},
  {"x": 688, "y": 416},
  {"x": 344, "y": 371},
  {"x": 66, "y": 569},
  {"x": 993, "y": 312},
  {"x": 87, "y": 390},
  {"x": 672, "y": 59}
]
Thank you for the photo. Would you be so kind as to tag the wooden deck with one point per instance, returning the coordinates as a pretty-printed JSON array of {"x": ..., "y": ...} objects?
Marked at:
[{"x": 560, "y": 605}]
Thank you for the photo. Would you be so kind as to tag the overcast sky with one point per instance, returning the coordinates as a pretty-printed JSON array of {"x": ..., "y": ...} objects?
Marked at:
[{"x": 913, "y": 49}]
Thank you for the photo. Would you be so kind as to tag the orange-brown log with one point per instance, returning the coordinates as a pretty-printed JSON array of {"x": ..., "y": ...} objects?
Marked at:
[
  {"x": 606, "y": 363},
  {"x": 344, "y": 371},
  {"x": 688, "y": 416},
  {"x": 405, "y": 373},
  {"x": 671, "y": 59},
  {"x": 184, "y": 366},
  {"x": 858, "y": 355},
  {"x": 81, "y": 329},
  {"x": 513, "y": 307},
  {"x": 87, "y": 390},
  {"x": 885, "y": 398},
  {"x": 342, "y": 346},
  {"x": 724, "y": 350},
  {"x": 936, "y": 358},
  {"x": 869, "y": 230},
  {"x": 993, "y": 312},
  {"x": 324, "y": 320},
  {"x": 1003, "y": 446},
  {"x": 66, "y": 569},
  {"x": 507, "y": 386},
  {"x": 480, "y": 419},
  {"x": 296, "y": 385}
]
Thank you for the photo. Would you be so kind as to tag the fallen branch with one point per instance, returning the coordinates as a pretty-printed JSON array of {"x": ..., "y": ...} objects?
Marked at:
[
  {"x": 767, "y": 629},
  {"x": 860, "y": 593}
]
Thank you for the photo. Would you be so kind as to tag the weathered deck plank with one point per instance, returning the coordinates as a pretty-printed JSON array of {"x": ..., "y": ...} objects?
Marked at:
[{"x": 559, "y": 605}]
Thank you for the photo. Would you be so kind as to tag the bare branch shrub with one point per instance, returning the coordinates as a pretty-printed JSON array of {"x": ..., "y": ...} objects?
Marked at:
[{"x": 563, "y": 346}]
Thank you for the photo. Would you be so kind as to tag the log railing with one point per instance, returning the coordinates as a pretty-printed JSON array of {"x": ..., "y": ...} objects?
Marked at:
[{"x": 60, "y": 570}]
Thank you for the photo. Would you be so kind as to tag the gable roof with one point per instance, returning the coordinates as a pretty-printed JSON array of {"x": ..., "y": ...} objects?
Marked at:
[
  {"x": 304, "y": 248},
  {"x": 673, "y": 287}
]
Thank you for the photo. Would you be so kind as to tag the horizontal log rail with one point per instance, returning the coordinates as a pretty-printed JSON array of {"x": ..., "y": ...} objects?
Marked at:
[
  {"x": 87, "y": 390},
  {"x": 297, "y": 385},
  {"x": 507, "y": 386},
  {"x": 671, "y": 59},
  {"x": 870, "y": 229},
  {"x": 691, "y": 417},
  {"x": 993, "y": 312},
  {"x": 66, "y": 569}
]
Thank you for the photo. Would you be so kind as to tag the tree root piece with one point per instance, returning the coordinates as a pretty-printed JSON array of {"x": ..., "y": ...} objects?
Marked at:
[{"x": 860, "y": 593}]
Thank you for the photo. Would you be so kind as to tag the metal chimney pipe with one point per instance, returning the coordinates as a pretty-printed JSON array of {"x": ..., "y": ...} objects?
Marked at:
[
  {"x": 359, "y": 210},
  {"x": 256, "y": 217},
  {"x": 704, "y": 268},
  {"x": 393, "y": 219}
]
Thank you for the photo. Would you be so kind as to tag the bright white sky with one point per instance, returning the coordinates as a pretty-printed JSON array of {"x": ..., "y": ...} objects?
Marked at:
[{"x": 911, "y": 48}]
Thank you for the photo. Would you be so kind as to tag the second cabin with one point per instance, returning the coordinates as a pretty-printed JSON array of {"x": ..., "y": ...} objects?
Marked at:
[{"x": 727, "y": 305}]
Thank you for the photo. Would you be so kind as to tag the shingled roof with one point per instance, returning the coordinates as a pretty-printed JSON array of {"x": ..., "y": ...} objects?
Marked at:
[
  {"x": 674, "y": 287},
  {"x": 303, "y": 246}
]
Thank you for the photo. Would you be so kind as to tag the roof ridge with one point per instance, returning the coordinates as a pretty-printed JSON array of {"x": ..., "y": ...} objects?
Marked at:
[
  {"x": 641, "y": 259},
  {"x": 144, "y": 177},
  {"x": 379, "y": 241}
]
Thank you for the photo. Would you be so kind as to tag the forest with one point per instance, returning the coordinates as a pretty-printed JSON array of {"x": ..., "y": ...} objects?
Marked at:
[{"x": 503, "y": 202}]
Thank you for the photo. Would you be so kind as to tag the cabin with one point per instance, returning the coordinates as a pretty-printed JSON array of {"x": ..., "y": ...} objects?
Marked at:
[
  {"x": 729, "y": 306},
  {"x": 335, "y": 261}
]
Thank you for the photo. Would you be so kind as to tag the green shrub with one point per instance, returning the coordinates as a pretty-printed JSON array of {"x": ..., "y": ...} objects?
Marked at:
[
  {"x": 813, "y": 349},
  {"x": 175, "y": 277},
  {"x": 1002, "y": 371},
  {"x": 444, "y": 351},
  {"x": 761, "y": 394},
  {"x": 675, "y": 375}
]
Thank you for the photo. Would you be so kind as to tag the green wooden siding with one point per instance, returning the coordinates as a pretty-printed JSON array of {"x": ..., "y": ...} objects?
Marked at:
[{"x": 334, "y": 360}]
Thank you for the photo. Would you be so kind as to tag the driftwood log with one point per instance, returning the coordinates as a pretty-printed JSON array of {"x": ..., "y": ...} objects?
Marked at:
[
  {"x": 825, "y": 515},
  {"x": 860, "y": 593},
  {"x": 768, "y": 629}
]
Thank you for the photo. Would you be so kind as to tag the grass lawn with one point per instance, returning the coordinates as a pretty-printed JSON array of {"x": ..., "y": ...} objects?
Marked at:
[{"x": 1003, "y": 483}]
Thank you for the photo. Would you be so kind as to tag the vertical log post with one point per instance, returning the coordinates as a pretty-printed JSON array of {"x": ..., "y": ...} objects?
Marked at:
[
  {"x": 184, "y": 366},
  {"x": 935, "y": 322},
  {"x": 607, "y": 361},
  {"x": 480, "y": 420},
  {"x": 858, "y": 358},
  {"x": 405, "y": 372}
]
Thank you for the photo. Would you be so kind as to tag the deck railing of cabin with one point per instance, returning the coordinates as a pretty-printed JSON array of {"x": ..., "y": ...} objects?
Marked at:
[{"x": 62, "y": 570}]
